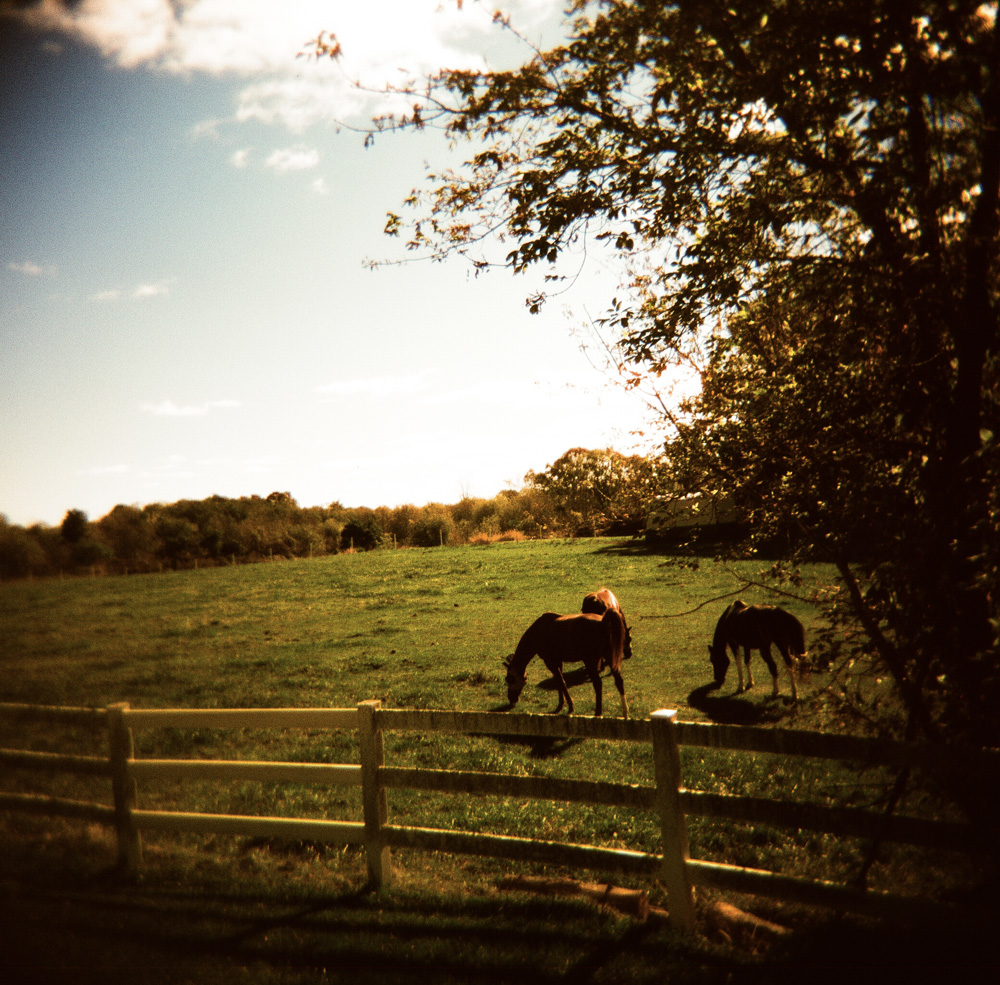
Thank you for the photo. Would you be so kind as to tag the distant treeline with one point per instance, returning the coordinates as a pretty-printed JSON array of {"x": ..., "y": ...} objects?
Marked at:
[{"x": 583, "y": 493}]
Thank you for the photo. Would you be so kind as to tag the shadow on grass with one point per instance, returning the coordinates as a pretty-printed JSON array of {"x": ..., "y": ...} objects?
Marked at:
[
  {"x": 735, "y": 709},
  {"x": 704, "y": 547},
  {"x": 838, "y": 951},
  {"x": 65, "y": 921},
  {"x": 542, "y": 746},
  {"x": 166, "y": 934}
]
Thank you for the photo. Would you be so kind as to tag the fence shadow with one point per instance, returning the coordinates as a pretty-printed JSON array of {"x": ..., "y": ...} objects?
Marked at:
[{"x": 163, "y": 935}]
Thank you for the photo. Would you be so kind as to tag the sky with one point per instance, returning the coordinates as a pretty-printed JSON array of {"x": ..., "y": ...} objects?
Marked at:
[{"x": 185, "y": 304}]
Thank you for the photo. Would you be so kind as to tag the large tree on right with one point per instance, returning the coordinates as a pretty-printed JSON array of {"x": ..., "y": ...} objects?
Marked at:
[{"x": 808, "y": 194}]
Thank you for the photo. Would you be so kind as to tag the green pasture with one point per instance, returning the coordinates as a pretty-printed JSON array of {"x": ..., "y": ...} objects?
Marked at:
[
  {"x": 413, "y": 628},
  {"x": 421, "y": 629}
]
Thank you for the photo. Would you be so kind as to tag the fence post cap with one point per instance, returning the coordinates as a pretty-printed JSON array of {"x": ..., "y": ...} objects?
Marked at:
[{"x": 669, "y": 713}]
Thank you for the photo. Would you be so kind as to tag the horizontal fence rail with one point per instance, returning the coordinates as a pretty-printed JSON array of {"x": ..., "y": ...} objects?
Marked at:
[
  {"x": 665, "y": 794},
  {"x": 330, "y": 774}
]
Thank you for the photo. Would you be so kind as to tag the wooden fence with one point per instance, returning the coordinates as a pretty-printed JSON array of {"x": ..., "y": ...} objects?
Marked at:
[{"x": 666, "y": 794}]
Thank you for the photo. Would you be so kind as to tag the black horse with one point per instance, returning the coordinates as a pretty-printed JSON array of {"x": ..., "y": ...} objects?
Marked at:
[{"x": 757, "y": 627}]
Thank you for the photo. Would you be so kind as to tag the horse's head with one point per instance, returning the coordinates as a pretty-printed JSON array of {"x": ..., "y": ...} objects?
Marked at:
[
  {"x": 515, "y": 682},
  {"x": 719, "y": 656}
]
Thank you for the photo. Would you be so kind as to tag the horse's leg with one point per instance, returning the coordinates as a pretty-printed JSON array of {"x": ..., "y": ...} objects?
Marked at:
[
  {"x": 739, "y": 669},
  {"x": 563, "y": 690},
  {"x": 790, "y": 662},
  {"x": 765, "y": 652},
  {"x": 595, "y": 677},
  {"x": 564, "y": 697},
  {"x": 559, "y": 691},
  {"x": 620, "y": 684},
  {"x": 746, "y": 660}
]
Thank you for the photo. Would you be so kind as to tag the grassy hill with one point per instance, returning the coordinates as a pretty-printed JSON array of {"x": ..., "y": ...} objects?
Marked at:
[{"x": 414, "y": 628}]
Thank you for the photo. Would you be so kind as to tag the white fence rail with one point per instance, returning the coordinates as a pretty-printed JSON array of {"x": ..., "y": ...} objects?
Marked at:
[{"x": 665, "y": 795}]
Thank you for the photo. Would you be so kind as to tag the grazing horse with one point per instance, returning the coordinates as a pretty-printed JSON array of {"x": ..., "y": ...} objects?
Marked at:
[
  {"x": 599, "y": 602},
  {"x": 596, "y": 640},
  {"x": 757, "y": 627}
]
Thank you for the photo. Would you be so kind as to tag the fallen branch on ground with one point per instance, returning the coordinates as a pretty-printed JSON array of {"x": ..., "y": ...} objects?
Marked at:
[
  {"x": 720, "y": 917},
  {"x": 633, "y": 902}
]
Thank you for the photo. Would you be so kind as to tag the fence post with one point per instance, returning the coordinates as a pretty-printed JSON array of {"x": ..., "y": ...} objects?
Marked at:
[
  {"x": 376, "y": 809},
  {"x": 121, "y": 750},
  {"x": 673, "y": 825}
]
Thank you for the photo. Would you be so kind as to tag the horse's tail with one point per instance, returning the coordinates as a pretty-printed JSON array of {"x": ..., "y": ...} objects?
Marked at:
[
  {"x": 799, "y": 638},
  {"x": 617, "y": 630},
  {"x": 795, "y": 633}
]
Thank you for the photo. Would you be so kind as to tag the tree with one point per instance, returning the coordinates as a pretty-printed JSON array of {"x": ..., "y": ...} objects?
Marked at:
[
  {"x": 74, "y": 526},
  {"x": 433, "y": 528},
  {"x": 179, "y": 537},
  {"x": 20, "y": 554},
  {"x": 361, "y": 532},
  {"x": 130, "y": 535},
  {"x": 806, "y": 197},
  {"x": 596, "y": 491}
]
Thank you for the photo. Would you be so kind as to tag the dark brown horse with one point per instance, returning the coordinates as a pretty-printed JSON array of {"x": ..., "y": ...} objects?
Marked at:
[
  {"x": 599, "y": 602},
  {"x": 757, "y": 627},
  {"x": 596, "y": 640}
]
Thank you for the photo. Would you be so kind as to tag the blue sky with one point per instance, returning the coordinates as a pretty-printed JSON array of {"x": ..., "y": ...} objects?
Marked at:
[{"x": 184, "y": 304}]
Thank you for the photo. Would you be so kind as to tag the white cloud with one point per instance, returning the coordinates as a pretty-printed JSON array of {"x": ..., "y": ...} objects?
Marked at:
[
  {"x": 99, "y": 470},
  {"x": 240, "y": 159},
  {"x": 298, "y": 158},
  {"x": 262, "y": 39},
  {"x": 155, "y": 290},
  {"x": 493, "y": 392},
  {"x": 377, "y": 386},
  {"x": 129, "y": 32},
  {"x": 113, "y": 294},
  {"x": 320, "y": 187},
  {"x": 171, "y": 467},
  {"x": 30, "y": 269},
  {"x": 259, "y": 466},
  {"x": 167, "y": 408},
  {"x": 298, "y": 103}
]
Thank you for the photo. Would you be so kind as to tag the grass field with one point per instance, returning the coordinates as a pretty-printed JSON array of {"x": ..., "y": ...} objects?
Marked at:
[
  {"x": 417, "y": 628},
  {"x": 414, "y": 628}
]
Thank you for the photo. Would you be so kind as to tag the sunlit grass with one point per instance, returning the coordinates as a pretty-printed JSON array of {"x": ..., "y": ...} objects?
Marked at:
[{"x": 422, "y": 629}]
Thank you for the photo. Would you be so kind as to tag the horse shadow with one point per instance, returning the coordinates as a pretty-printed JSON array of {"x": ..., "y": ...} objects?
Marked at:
[
  {"x": 573, "y": 678},
  {"x": 538, "y": 746},
  {"x": 543, "y": 746},
  {"x": 732, "y": 709}
]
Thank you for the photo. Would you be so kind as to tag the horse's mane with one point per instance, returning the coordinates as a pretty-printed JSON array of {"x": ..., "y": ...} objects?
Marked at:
[
  {"x": 528, "y": 645},
  {"x": 720, "y": 639}
]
